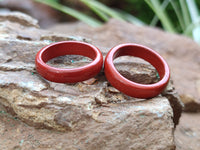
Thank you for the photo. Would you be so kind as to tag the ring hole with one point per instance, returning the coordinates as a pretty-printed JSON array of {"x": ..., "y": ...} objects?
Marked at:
[
  {"x": 69, "y": 61},
  {"x": 136, "y": 69}
]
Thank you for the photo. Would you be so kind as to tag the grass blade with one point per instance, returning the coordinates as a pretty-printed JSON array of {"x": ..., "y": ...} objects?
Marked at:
[
  {"x": 178, "y": 14},
  {"x": 74, "y": 13},
  {"x": 130, "y": 18},
  {"x": 101, "y": 14},
  {"x": 195, "y": 18},
  {"x": 103, "y": 11},
  {"x": 155, "y": 18},
  {"x": 166, "y": 22},
  {"x": 185, "y": 12},
  {"x": 189, "y": 29},
  {"x": 101, "y": 7}
]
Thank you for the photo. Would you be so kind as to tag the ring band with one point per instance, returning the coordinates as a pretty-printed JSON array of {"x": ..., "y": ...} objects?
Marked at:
[
  {"x": 131, "y": 88},
  {"x": 68, "y": 48}
]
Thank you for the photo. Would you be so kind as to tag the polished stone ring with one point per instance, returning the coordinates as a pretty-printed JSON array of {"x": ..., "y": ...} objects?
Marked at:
[
  {"x": 68, "y": 48},
  {"x": 131, "y": 88}
]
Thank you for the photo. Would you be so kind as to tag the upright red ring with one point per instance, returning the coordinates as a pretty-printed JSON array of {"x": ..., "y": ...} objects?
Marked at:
[
  {"x": 68, "y": 48},
  {"x": 131, "y": 88}
]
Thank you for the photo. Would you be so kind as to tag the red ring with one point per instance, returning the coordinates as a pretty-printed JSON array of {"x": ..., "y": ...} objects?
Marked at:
[
  {"x": 131, "y": 88},
  {"x": 68, "y": 48}
]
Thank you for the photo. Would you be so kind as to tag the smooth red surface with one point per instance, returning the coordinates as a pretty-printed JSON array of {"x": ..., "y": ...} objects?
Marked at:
[
  {"x": 68, "y": 75},
  {"x": 131, "y": 88}
]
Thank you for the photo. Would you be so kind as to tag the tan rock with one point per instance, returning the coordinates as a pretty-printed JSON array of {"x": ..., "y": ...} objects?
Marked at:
[
  {"x": 20, "y": 18},
  {"x": 198, "y": 86},
  {"x": 191, "y": 105},
  {"x": 45, "y": 15},
  {"x": 2, "y": 127},
  {"x": 95, "y": 116}
]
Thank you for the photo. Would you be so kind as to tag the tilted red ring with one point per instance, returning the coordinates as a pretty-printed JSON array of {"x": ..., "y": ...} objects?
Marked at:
[
  {"x": 129, "y": 87},
  {"x": 68, "y": 48}
]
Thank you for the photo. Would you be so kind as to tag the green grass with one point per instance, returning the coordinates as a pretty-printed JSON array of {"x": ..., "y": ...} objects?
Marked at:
[
  {"x": 195, "y": 19},
  {"x": 161, "y": 14},
  {"x": 72, "y": 12},
  {"x": 176, "y": 16},
  {"x": 104, "y": 12},
  {"x": 187, "y": 16}
]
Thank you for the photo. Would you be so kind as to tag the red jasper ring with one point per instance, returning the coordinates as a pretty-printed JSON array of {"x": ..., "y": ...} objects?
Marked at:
[
  {"x": 68, "y": 48},
  {"x": 131, "y": 88}
]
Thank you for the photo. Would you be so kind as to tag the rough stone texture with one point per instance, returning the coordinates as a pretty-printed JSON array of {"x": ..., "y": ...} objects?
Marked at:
[
  {"x": 187, "y": 132},
  {"x": 43, "y": 13},
  {"x": 93, "y": 114},
  {"x": 181, "y": 53},
  {"x": 20, "y": 18},
  {"x": 190, "y": 104}
]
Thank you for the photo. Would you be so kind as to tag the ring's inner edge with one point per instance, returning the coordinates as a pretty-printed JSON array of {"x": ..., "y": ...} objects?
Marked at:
[
  {"x": 143, "y": 53},
  {"x": 68, "y": 49}
]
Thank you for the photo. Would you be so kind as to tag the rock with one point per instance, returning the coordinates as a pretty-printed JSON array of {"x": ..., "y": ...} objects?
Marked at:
[
  {"x": 2, "y": 127},
  {"x": 175, "y": 101},
  {"x": 181, "y": 53},
  {"x": 198, "y": 86},
  {"x": 20, "y": 18},
  {"x": 60, "y": 37},
  {"x": 46, "y": 15},
  {"x": 141, "y": 72},
  {"x": 72, "y": 117},
  {"x": 187, "y": 132},
  {"x": 94, "y": 116},
  {"x": 191, "y": 105}
]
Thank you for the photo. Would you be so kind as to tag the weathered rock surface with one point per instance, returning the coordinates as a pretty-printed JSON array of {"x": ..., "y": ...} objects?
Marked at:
[
  {"x": 181, "y": 53},
  {"x": 187, "y": 132},
  {"x": 45, "y": 14},
  {"x": 93, "y": 114},
  {"x": 190, "y": 104}
]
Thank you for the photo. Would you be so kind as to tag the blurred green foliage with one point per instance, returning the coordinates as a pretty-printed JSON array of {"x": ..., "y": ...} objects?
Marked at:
[
  {"x": 138, "y": 8},
  {"x": 177, "y": 16}
]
